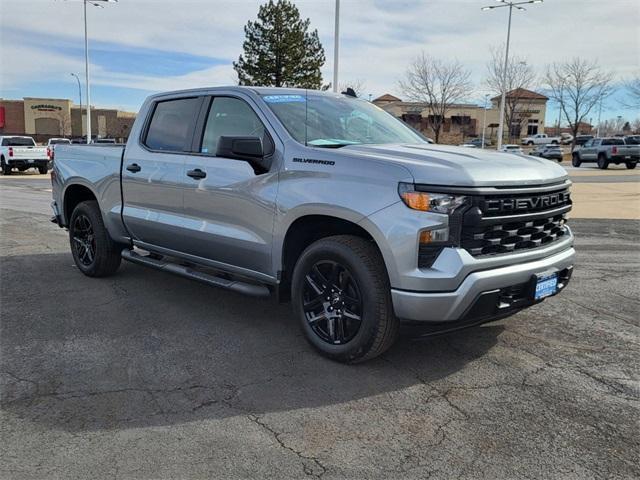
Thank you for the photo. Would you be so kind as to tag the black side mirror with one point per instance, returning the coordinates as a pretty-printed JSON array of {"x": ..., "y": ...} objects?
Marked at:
[{"x": 244, "y": 148}]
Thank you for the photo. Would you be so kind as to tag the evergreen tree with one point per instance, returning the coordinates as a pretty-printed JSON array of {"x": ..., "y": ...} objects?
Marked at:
[{"x": 279, "y": 50}]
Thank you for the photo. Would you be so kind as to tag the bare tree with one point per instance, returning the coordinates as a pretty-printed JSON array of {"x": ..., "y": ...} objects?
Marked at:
[
  {"x": 520, "y": 75},
  {"x": 438, "y": 84},
  {"x": 612, "y": 126},
  {"x": 577, "y": 86},
  {"x": 358, "y": 85},
  {"x": 632, "y": 89}
]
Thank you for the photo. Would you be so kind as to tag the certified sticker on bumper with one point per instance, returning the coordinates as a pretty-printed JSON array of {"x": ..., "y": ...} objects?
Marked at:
[{"x": 546, "y": 286}]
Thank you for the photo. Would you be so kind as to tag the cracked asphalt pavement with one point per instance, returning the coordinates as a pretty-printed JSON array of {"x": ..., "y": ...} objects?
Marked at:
[{"x": 145, "y": 375}]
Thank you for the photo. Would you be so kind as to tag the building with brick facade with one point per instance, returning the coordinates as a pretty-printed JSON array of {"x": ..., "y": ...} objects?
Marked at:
[
  {"x": 464, "y": 121},
  {"x": 44, "y": 118}
]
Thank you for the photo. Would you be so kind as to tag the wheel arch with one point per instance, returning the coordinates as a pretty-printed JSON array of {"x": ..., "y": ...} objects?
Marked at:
[
  {"x": 72, "y": 196},
  {"x": 303, "y": 230}
]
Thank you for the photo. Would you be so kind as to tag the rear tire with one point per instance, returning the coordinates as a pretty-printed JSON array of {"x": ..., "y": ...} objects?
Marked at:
[
  {"x": 603, "y": 163},
  {"x": 43, "y": 170},
  {"x": 357, "y": 322},
  {"x": 575, "y": 160},
  {"x": 631, "y": 165},
  {"x": 93, "y": 250},
  {"x": 6, "y": 169}
]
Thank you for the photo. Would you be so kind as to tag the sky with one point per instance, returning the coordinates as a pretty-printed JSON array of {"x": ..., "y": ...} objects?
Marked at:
[{"x": 138, "y": 47}]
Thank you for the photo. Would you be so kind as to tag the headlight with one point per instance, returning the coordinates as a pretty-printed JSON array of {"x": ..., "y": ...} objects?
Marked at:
[{"x": 429, "y": 202}]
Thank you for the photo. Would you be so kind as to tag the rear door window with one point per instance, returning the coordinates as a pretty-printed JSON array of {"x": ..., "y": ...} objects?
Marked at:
[{"x": 171, "y": 126}]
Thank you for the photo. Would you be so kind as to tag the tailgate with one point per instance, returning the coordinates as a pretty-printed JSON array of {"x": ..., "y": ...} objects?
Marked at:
[{"x": 29, "y": 153}]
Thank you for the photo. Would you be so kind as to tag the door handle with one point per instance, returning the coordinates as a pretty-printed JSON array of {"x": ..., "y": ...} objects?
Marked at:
[
  {"x": 134, "y": 167},
  {"x": 197, "y": 173}
]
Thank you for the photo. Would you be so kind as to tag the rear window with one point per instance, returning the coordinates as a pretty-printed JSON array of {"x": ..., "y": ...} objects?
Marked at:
[
  {"x": 18, "y": 142},
  {"x": 613, "y": 141},
  {"x": 170, "y": 128}
]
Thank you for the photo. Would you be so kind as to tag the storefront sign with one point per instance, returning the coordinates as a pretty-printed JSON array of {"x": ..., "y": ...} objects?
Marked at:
[{"x": 46, "y": 108}]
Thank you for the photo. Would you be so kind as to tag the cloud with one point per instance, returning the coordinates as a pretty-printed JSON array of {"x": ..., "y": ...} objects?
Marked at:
[{"x": 378, "y": 38}]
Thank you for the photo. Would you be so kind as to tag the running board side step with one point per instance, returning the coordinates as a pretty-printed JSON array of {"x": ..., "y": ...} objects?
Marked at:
[{"x": 161, "y": 264}]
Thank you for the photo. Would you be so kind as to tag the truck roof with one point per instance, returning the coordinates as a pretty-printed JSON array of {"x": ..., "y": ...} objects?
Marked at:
[{"x": 258, "y": 90}]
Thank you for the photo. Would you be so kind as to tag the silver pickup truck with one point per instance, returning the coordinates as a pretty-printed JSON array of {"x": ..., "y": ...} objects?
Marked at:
[
  {"x": 605, "y": 151},
  {"x": 323, "y": 200}
]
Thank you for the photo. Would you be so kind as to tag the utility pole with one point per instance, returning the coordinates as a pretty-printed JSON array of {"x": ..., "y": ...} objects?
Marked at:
[{"x": 336, "y": 46}]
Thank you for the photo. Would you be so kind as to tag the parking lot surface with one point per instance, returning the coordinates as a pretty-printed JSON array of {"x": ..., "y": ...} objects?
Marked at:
[{"x": 144, "y": 375}]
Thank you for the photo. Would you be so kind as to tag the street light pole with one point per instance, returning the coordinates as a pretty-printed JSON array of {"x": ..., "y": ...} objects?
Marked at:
[
  {"x": 79, "y": 95},
  {"x": 503, "y": 97},
  {"x": 86, "y": 72},
  {"x": 95, "y": 3},
  {"x": 484, "y": 118},
  {"x": 336, "y": 46}
]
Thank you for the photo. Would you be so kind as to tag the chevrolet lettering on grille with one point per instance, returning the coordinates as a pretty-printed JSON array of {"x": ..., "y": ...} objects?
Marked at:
[{"x": 532, "y": 204}]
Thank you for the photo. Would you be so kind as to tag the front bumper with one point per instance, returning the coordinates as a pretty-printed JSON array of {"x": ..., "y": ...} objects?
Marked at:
[{"x": 483, "y": 295}]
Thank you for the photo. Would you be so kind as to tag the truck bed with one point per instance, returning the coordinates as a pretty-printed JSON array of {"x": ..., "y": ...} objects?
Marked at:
[{"x": 94, "y": 162}]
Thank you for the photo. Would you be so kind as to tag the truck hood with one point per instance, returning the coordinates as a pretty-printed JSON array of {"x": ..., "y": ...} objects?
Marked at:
[{"x": 460, "y": 166}]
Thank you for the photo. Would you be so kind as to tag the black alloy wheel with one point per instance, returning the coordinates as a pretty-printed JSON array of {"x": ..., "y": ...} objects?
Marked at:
[
  {"x": 342, "y": 298},
  {"x": 93, "y": 250},
  {"x": 332, "y": 302},
  {"x": 84, "y": 240}
]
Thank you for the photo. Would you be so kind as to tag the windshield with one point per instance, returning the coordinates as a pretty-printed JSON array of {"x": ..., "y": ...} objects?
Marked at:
[
  {"x": 333, "y": 121},
  {"x": 18, "y": 142}
]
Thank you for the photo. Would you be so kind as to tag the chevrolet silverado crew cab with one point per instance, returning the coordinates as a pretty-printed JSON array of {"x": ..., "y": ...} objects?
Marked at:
[
  {"x": 605, "y": 151},
  {"x": 323, "y": 200},
  {"x": 22, "y": 153}
]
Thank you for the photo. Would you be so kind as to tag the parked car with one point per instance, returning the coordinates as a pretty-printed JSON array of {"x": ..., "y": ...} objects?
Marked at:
[
  {"x": 51, "y": 146},
  {"x": 478, "y": 142},
  {"x": 22, "y": 153},
  {"x": 57, "y": 141},
  {"x": 566, "y": 138},
  {"x": 323, "y": 200},
  {"x": 582, "y": 139},
  {"x": 605, "y": 151},
  {"x": 104, "y": 140},
  {"x": 540, "y": 139},
  {"x": 551, "y": 152},
  {"x": 511, "y": 148}
]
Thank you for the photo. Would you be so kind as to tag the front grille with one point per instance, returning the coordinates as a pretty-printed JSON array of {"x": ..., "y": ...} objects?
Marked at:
[
  {"x": 496, "y": 224},
  {"x": 513, "y": 235}
]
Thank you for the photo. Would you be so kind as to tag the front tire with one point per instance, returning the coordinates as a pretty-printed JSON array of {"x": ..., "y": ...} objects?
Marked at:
[
  {"x": 631, "y": 165},
  {"x": 93, "y": 250},
  {"x": 575, "y": 160},
  {"x": 43, "y": 170},
  {"x": 342, "y": 298},
  {"x": 603, "y": 163}
]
